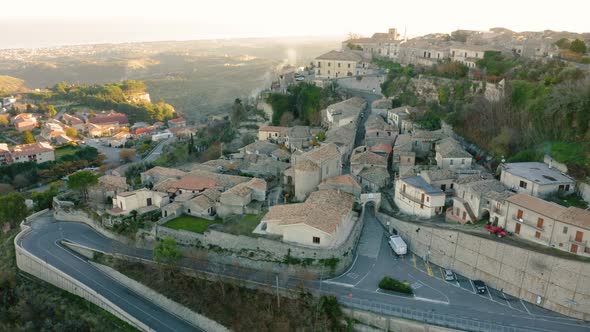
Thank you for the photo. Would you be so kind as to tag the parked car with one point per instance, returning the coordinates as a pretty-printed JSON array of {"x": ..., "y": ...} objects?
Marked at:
[
  {"x": 480, "y": 286},
  {"x": 450, "y": 275}
]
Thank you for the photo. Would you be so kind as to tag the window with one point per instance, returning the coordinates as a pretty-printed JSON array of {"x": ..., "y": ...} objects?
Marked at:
[
  {"x": 464, "y": 215},
  {"x": 519, "y": 214},
  {"x": 349, "y": 65},
  {"x": 338, "y": 64},
  {"x": 329, "y": 64},
  {"x": 428, "y": 198},
  {"x": 452, "y": 184},
  {"x": 523, "y": 184},
  {"x": 538, "y": 234},
  {"x": 565, "y": 230},
  {"x": 328, "y": 72},
  {"x": 316, "y": 240},
  {"x": 458, "y": 212},
  {"x": 451, "y": 162},
  {"x": 540, "y": 223},
  {"x": 567, "y": 187},
  {"x": 404, "y": 188},
  {"x": 188, "y": 211},
  {"x": 463, "y": 161},
  {"x": 319, "y": 64},
  {"x": 443, "y": 187}
]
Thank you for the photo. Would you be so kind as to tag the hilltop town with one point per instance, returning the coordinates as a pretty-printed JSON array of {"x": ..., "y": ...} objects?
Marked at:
[{"x": 441, "y": 140}]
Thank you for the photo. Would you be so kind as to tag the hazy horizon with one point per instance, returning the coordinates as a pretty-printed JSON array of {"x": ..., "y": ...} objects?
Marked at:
[{"x": 64, "y": 22}]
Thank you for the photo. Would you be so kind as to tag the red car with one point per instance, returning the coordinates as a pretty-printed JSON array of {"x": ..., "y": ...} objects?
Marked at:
[{"x": 499, "y": 231}]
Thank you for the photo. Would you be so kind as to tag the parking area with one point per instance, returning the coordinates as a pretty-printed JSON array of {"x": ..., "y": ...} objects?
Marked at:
[{"x": 467, "y": 285}]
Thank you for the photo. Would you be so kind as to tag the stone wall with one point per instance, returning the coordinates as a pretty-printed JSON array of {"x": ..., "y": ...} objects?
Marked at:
[
  {"x": 194, "y": 318},
  {"x": 561, "y": 285},
  {"x": 266, "y": 250},
  {"x": 29, "y": 263}
]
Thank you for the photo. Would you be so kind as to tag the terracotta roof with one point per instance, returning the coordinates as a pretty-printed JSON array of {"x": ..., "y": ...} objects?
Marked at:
[
  {"x": 257, "y": 183},
  {"x": 323, "y": 210},
  {"x": 203, "y": 201},
  {"x": 142, "y": 130},
  {"x": 110, "y": 118},
  {"x": 323, "y": 153},
  {"x": 164, "y": 171},
  {"x": 272, "y": 128},
  {"x": 576, "y": 216},
  {"x": 549, "y": 209},
  {"x": 367, "y": 158},
  {"x": 113, "y": 181},
  {"x": 177, "y": 120},
  {"x": 190, "y": 182},
  {"x": 306, "y": 165},
  {"x": 450, "y": 148},
  {"x": 346, "y": 179},
  {"x": 27, "y": 149},
  {"x": 339, "y": 56},
  {"x": 381, "y": 147}
]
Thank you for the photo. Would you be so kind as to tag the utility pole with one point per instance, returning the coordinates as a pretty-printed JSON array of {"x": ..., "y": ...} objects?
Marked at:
[{"x": 278, "y": 296}]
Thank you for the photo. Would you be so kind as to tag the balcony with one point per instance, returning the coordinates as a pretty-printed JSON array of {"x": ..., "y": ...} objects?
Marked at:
[
  {"x": 582, "y": 243},
  {"x": 527, "y": 223},
  {"x": 412, "y": 198}
]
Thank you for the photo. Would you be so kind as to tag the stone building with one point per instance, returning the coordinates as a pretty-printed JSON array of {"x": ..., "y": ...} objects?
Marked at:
[
  {"x": 414, "y": 196},
  {"x": 344, "y": 112},
  {"x": 314, "y": 166},
  {"x": 451, "y": 155},
  {"x": 549, "y": 224},
  {"x": 471, "y": 202},
  {"x": 336, "y": 64},
  {"x": 142, "y": 201},
  {"x": 239, "y": 199},
  {"x": 324, "y": 220}
]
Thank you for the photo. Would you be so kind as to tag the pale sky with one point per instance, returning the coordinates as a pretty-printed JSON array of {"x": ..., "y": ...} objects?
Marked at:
[{"x": 78, "y": 21}]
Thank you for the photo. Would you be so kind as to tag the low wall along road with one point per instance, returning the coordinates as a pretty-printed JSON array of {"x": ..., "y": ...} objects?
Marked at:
[
  {"x": 558, "y": 284},
  {"x": 38, "y": 268}
]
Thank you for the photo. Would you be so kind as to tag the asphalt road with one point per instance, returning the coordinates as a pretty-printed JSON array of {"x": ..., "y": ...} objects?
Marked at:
[
  {"x": 358, "y": 286},
  {"x": 42, "y": 242}
]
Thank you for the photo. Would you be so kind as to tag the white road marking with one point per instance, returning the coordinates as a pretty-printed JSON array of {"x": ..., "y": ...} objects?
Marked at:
[
  {"x": 338, "y": 283},
  {"x": 525, "y": 308}
]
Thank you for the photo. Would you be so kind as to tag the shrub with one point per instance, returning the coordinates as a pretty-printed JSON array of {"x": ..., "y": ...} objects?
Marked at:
[{"x": 391, "y": 284}]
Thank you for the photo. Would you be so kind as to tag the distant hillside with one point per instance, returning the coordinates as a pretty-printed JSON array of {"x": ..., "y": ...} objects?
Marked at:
[
  {"x": 198, "y": 78},
  {"x": 11, "y": 84}
]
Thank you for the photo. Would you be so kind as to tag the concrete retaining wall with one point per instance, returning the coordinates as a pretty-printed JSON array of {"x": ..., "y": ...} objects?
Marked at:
[
  {"x": 164, "y": 302},
  {"x": 38, "y": 268},
  {"x": 562, "y": 285},
  {"x": 376, "y": 322}
]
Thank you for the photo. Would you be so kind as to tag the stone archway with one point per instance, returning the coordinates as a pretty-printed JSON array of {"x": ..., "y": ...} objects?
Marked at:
[{"x": 375, "y": 198}]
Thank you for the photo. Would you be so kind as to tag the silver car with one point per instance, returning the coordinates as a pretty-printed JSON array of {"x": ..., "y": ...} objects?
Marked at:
[{"x": 449, "y": 275}]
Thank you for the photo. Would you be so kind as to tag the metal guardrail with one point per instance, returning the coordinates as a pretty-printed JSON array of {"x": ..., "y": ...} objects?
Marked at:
[{"x": 428, "y": 316}]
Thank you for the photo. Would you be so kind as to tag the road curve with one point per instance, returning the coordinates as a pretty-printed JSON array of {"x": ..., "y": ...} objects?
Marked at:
[{"x": 43, "y": 242}]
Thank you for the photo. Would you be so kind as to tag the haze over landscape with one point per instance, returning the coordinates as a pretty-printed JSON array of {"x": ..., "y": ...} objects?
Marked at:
[{"x": 308, "y": 165}]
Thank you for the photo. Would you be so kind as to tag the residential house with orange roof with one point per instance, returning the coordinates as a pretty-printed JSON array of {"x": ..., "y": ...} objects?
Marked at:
[
  {"x": 39, "y": 152},
  {"x": 549, "y": 224},
  {"x": 175, "y": 123},
  {"x": 24, "y": 121},
  {"x": 271, "y": 133},
  {"x": 324, "y": 220}
]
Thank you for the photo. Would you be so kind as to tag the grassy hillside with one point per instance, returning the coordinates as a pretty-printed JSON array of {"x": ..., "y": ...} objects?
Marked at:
[{"x": 11, "y": 84}]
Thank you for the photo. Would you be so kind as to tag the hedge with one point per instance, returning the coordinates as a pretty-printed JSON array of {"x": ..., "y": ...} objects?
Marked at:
[{"x": 391, "y": 284}]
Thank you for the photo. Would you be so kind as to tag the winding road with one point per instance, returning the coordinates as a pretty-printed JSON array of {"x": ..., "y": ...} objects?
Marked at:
[{"x": 435, "y": 300}]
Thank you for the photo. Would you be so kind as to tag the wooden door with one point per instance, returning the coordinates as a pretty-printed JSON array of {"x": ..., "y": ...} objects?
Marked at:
[
  {"x": 574, "y": 249},
  {"x": 517, "y": 229},
  {"x": 579, "y": 236}
]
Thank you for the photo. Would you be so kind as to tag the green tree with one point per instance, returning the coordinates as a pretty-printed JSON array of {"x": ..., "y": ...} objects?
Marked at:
[
  {"x": 578, "y": 46},
  {"x": 563, "y": 43},
  {"x": 51, "y": 111},
  {"x": 13, "y": 208},
  {"x": 44, "y": 200},
  {"x": 167, "y": 252},
  {"x": 81, "y": 181},
  {"x": 28, "y": 137}
]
